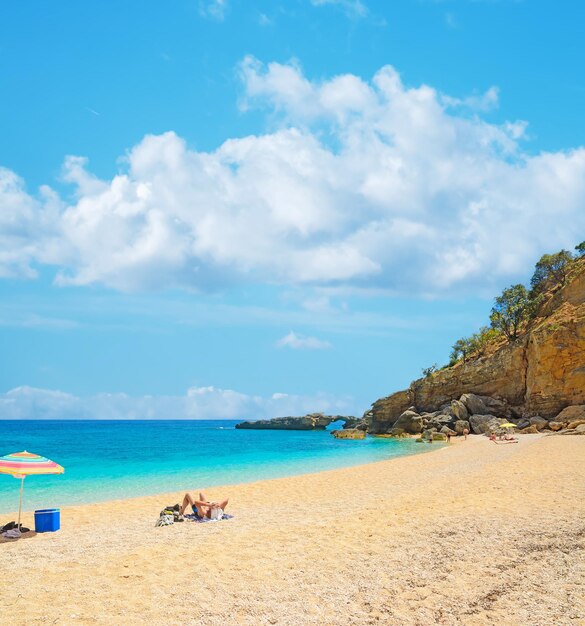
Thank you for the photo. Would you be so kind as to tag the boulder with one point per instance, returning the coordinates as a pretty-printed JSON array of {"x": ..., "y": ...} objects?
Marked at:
[
  {"x": 458, "y": 410},
  {"x": 580, "y": 430},
  {"x": 473, "y": 404},
  {"x": 516, "y": 412},
  {"x": 523, "y": 423},
  {"x": 539, "y": 422},
  {"x": 447, "y": 431},
  {"x": 481, "y": 424},
  {"x": 496, "y": 406},
  {"x": 439, "y": 437},
  {"x": 529, "y": 430},
  {"x": 571, "y": 413},
  {"x": 349, "y": 433},
  {"x": 555, "y": 425},
  {"x": 397, "y": 432},
  {"x": 575, "y": 431},
  {"x": 410, "y": 422},
  {"x": 461, "y": 425},
  {"x": 575, "y": 424},
  {"x": 444, "y": 418},
  {"x": 427, "y": 435}
]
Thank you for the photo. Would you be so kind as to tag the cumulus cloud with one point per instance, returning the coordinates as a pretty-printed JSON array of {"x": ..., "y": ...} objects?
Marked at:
[
  {"x": 197, "y": 403},
  {"x": 29, "y": 231},
  {"x": 478, "y": 102},
  {"x": 363, "y": 185},
  {"x": 301, "y": 342}
]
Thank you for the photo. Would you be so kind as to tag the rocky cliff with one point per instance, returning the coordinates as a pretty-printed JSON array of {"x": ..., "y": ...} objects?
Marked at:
[
  {"x": 540, "y": 373},
  {"x": 312, "y": 421}
]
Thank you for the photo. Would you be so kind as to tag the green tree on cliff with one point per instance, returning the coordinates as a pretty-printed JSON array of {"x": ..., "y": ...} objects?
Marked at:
[
  {"x": 551, "y": 269},
  {"x": 510, "y": 311},
  {"x": 580, "y": 249},
  {"x": 460, "y": 350}
]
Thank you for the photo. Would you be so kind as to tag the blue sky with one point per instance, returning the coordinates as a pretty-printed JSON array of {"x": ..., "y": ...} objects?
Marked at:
[{"x": 249, "y": 209}]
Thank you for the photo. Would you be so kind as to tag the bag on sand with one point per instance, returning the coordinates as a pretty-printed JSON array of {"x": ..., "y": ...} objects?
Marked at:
[
  {"x": 169, "y": 515},
  {"x": 165, "y": 519}
]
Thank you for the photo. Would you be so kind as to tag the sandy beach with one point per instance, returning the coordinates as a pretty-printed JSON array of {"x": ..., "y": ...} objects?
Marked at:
[{"x": 474, "y": 533}]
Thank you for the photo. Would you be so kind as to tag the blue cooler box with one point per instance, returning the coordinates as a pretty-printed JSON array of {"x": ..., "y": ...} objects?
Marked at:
[{"x": 47, "y": 520}]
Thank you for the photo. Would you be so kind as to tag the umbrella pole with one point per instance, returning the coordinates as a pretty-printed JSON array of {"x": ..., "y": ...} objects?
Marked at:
[{"x": 20, "y": 505}]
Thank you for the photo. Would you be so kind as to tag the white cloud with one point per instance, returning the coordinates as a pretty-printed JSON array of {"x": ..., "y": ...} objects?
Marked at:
[
  {"x": 301, "y": 342},
  {"x": 29, "y": 227},
  {"x": 479, "y": 102},
  {"x": 197, "y": 403},
  {"x": 214, "y": 9},
  {"x": 362, "y": 185},
  {"x": 354, "y": 8}
]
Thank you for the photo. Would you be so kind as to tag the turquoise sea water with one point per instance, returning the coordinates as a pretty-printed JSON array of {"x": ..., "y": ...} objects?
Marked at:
[{"x": 104, "y": 460}]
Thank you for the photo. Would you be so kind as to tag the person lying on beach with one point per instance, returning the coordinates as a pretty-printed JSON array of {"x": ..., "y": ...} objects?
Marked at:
[
  {"x": 503, "y": 439},
  {"x": 202, "y": 507}
]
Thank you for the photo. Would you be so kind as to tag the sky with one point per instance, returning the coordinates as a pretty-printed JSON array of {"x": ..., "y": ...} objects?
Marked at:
[{"x": 246, "y": 209}]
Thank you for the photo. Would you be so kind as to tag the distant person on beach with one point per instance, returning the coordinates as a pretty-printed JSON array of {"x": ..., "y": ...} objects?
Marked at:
[
  {"x": 202, "y": 507},
  {"x": 465, "y": 433}
]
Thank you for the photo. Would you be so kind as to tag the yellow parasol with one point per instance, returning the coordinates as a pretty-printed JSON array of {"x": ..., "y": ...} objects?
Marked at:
[{"x": 507, "y": 425}]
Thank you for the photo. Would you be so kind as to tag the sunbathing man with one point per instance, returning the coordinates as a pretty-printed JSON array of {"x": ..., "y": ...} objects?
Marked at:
[{"x": 203, "y": 506}]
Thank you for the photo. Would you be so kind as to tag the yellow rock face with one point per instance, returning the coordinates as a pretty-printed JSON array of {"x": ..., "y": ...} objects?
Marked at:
[
  {"x": 502, "y": 374},
  {"x": 555, "y": 376}
]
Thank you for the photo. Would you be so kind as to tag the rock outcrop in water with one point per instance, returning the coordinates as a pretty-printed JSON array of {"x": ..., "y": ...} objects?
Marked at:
[
  {"x": 538, "y": 375},
  {"x": 312, "y": 421},
  {"x": 349, "y": 433}
]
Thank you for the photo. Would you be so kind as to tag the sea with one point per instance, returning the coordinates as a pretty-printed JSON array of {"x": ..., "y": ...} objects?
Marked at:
[{"x": 106, "y": 460}]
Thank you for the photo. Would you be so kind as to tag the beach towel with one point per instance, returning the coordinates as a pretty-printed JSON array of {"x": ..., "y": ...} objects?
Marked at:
[{"x": 201, "y": 520}]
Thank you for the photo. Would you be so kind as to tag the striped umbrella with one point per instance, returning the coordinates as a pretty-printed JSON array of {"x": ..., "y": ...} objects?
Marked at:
[{"x": 23, "y": 464}]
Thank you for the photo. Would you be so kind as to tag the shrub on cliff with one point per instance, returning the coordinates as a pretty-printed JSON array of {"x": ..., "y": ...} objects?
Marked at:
[
  {"x": 550, "y": 270},
  {"x": 429, "y": 371},
  {"x": 510, "y": 311},
  {"x": 476, "y": 345},
  {"x": 461, "y": 350},
  {"x": 480, "y": 341},
  {"x": 580, "y": 249}
]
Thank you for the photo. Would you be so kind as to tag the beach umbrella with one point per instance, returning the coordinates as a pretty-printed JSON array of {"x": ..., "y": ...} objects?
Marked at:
[
  {"x": 507, "y": 425},
  {"x": 23, "y": 464}
]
